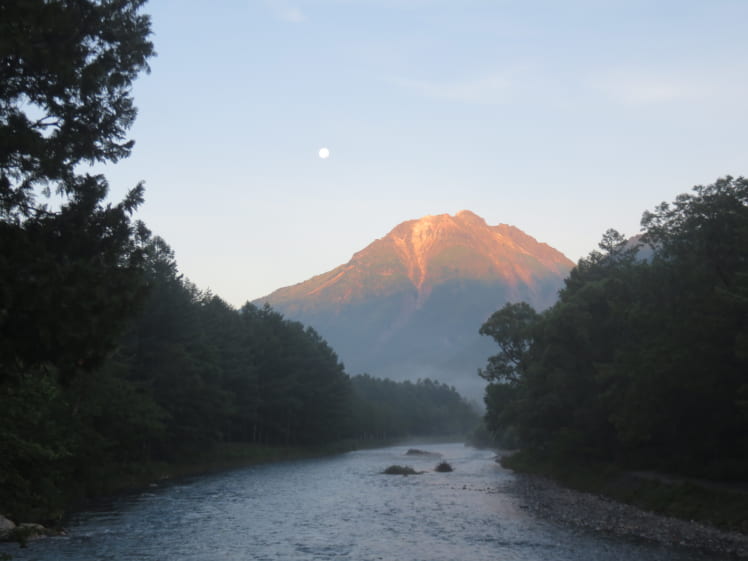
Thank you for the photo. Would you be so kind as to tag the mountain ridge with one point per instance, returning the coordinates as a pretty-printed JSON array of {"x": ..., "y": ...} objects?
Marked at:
[
  {"x": 412, "y": 242},
  {"x": 410, "y": 303}
]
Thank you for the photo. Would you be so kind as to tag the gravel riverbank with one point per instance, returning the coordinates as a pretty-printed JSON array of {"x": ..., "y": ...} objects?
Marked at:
[{"x": 549, "y": 500}]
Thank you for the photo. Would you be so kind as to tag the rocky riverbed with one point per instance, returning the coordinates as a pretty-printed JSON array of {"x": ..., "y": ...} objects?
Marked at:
[{"x": 549, "y": 500}]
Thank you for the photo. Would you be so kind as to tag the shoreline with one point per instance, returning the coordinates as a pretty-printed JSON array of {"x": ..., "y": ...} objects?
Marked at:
[{"x": 550, "y": 500}]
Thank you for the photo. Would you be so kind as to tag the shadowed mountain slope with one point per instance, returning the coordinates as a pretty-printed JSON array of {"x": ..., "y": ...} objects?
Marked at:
[{"x": 410, "y": 304}]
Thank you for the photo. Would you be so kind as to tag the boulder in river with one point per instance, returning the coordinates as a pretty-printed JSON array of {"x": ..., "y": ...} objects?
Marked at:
[
  {"x": 401, "y": 470},
  {"x": 6, "y": 528},
  {"x": 25, "y": 531},
  {"x": 417, "y": 452}
]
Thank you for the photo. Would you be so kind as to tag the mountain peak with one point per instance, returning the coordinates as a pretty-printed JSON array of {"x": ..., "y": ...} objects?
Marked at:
[
  {"x": 428, "y": 252},
  {"x": 410, "y": 304},
  {"x": 436, "y": 248},
  {"x": 469, "y": 216}
]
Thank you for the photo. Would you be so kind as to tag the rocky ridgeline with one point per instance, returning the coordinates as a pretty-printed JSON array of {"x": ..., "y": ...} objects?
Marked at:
[{"x": 549, "y": 500}]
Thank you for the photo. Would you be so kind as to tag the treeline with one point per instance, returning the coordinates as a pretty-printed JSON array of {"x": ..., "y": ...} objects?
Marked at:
[
  {"x": 384, "y": 409},
  {"x": 643, "y": 361},
  {"x": 188, "y": 373}
]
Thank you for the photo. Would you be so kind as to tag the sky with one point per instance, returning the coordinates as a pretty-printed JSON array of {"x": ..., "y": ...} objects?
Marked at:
[{"x": 563, "y": 118}]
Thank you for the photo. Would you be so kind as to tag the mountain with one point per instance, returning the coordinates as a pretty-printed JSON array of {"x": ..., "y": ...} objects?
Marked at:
[{"x": 410, "y": 304}]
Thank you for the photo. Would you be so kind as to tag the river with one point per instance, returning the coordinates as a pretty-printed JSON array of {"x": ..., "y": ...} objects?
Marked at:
[{"x": 339, "y": 507}]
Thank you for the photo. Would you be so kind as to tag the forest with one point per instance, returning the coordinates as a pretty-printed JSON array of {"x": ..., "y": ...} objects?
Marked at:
[
  {"x": 111, "y": 361},
  {"x": 643, "y": 361},
  {"x": 188, "y": 374}
]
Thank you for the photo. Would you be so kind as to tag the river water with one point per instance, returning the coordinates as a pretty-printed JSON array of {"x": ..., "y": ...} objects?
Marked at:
[{"x": 339, "y": 507}]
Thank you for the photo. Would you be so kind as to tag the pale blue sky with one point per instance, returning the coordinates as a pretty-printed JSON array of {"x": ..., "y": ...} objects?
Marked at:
[{"x": 563, "y": 118}]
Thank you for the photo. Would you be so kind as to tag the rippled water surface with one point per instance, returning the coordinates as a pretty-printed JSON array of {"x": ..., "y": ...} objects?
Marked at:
[{"x": 339, "y": 507}]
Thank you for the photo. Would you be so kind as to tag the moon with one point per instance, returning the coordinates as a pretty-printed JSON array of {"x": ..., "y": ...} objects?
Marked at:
[{"x": 324, "y": 153}]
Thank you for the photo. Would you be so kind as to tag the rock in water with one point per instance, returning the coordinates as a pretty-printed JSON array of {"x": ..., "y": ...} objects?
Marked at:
[
  {"x": 417, "y": 452},
  {"x": 6, "y": 528},
  {"x": 401, "y": 470}
]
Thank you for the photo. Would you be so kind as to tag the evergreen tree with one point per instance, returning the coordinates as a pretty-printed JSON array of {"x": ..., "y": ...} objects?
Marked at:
[
  {"x": 69, "y": 276},
  {"x": 641, "y": 361}
]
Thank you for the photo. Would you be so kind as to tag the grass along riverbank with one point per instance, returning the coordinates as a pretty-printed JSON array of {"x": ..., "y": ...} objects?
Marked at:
[{"x": 721, "y": 506}]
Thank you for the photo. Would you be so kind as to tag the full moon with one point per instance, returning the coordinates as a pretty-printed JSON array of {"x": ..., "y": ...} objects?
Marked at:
[{"x": 324, "y": 153}]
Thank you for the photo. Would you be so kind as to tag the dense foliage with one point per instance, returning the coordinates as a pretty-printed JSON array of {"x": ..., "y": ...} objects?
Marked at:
[
  {"x": 71, "y": 271},
  {"x": 644, "y": 359},
  {"x": 188, "y": 373},
  {"x": 66, "y": 72}
]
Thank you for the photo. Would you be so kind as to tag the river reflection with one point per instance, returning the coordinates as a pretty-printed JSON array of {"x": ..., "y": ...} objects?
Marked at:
[{"x": 340, "y": 507}]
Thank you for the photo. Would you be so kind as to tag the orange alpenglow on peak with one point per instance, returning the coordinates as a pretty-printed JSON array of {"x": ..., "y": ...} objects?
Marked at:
[
  {"x": 469, "y": 215},
  {"x": 429, "y": 251},
  {"x": 411, "y": 303}
]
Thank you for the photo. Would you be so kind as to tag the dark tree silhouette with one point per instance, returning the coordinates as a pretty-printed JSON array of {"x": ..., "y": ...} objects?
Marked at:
[{"x": 69, "y": 275}]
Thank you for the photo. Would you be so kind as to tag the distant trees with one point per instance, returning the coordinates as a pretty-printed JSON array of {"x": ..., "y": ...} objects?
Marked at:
[
  {"x": 640, "y": 361},
  {"x": 302, "y": 390},
  {"x": 189, "y": 372},
  {"x": 385, "y": 409},
  {"x": 220, "y": 374}
]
